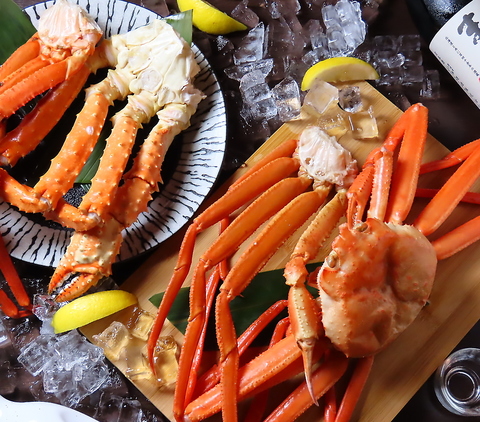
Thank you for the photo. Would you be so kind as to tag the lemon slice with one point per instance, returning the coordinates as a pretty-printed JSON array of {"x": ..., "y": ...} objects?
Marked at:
[
  {"x": 89, "y": 308},
  {"x": 209, "y": 19},
  {"x": 339, "y": 69}
]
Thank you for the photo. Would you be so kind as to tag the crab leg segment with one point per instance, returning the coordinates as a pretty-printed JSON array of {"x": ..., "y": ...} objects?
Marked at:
[
  {"x": 91, "y": 253},
  {"x": 35, "y": 126},
  {"x": 20, "y": 56},
  {"x": 451, "y": 193},
  {"x": 323, "y": 379}
]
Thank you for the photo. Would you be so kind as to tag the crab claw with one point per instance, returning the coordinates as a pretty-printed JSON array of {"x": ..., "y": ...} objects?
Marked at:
[{"x": 88, "y": 259}]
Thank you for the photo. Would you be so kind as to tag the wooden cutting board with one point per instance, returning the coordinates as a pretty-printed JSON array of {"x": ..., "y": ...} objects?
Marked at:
[{"x": 405, "y": 365}]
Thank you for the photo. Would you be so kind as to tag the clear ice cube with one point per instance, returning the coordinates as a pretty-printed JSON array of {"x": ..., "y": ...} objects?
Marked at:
[
  {"x": 165, "y": 360},
  {"x": 113, "y": 340},
  {"x": 287, "y": 99},
  {"x": 250, "y": 48},
  {"x": 140, "y": 323},
  {"x": 350, "y": 99},
  {"x": 320, "y": 97},
  {"x": 37, "y": 354}
]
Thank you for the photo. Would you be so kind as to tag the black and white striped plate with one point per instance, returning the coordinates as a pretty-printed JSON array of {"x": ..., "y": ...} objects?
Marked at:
[{"x": 198, "y": 161}]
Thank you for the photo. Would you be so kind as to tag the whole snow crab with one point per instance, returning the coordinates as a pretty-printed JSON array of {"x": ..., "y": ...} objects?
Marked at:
[
  {"x": 372, "y": 285},
  {"x": 152, "y": 68}
]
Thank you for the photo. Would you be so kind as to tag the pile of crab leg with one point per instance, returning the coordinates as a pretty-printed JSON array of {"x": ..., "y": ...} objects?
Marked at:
[
  {"x": 372, "y": 285},
  {"x": 152, "y": 68}
]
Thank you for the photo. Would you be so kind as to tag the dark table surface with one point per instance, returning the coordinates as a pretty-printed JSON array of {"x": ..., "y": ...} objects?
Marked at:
[{"x": 453, "y": 121}]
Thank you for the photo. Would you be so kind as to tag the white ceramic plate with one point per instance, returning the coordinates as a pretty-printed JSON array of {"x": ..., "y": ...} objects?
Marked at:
[{"x": 199, "y": 161}]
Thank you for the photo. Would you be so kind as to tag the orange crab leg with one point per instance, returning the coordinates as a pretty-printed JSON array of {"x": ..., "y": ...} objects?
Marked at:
[
  {"x": 354, "y": 389},
  {"x": 35, "y": 126},
  {"x": 211, "y": 377},
  {"x": 323, "y": 379},
  {"x": 76, "y": 149},
  {"x": 303, "y": 309},
  {"x": 469, "y": 197},
  {"x": 27, "y": 89},
  {"x": 259, "y": 402},
  {"x": 20, "y": 56},
  {"x": 23, "y": 73},
  {"x": 237, "y": 195},
  {"x": 281, "y": 361},
  {"x": 7, "y": 306},
  {"x": 451, "y": 193},
  {"x": 243, "y": 226},
  {"x": 407, "y": 169},
  {"x": 452, "y": 159},
  {"x": 458, "y": 239}
]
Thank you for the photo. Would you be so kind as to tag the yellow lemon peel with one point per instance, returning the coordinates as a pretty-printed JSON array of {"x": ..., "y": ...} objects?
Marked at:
[
  {"x": 339, "y": 69},
  {"x": 89, "y": 308},
  {"x": 209, "y": 19}
]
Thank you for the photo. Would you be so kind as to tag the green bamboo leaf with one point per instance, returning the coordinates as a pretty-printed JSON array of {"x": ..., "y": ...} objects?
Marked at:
[
  {"x": 265, "y": 289},
  {"x": 15, "y": 28},
  {"x": 91, "y": 166},
  {"x": 182, "y": 23}
]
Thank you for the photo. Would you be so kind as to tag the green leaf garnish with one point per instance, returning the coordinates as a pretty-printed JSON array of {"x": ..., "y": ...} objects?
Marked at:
[
  {"x": 182, "y": 23},
  {"x": 15, "y": 28}
]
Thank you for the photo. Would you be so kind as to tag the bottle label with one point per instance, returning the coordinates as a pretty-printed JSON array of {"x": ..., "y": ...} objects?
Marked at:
[{"x": 457, "y": 46}]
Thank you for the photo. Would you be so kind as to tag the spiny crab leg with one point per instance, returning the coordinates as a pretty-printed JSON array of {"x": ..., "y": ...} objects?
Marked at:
[
  {"x": 16, "y": 286},
  {"x": 36, "y": 125},
  {"x": 90, "y": 255}
]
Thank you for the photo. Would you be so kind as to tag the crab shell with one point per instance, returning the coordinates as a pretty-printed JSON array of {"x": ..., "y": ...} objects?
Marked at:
[{"x": 373, "y": 284}]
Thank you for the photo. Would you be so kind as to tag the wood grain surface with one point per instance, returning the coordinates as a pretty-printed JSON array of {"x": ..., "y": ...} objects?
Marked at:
[{"x": 401, "y": 369}]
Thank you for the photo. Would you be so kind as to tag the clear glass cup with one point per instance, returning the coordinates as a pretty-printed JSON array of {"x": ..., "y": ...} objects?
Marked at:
[{"x": 457, "y": 382}]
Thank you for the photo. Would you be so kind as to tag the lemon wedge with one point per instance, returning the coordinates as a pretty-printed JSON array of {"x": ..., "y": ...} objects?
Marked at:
[
  {"x": 209, "y": 19},
  {"x": 89, "y": 308},
  {"x": 339, "y": 69}
]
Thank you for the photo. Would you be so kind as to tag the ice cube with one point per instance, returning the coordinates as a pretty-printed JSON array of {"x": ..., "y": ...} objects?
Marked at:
[
  {"x": 165, "y": 360},
  {"x": 140, "y": 323},
  {"x": 409, "y": 42},
  {"x": 251, "y": 46},
  {"x": 320, "y": 97},
  {"x": 237, "y": 72},
  {"x": 44, "y": 306},
  {"x": 412, "y": 74},
  {"x": 93, "y": 376},
  {"x": 287, "y": 99},
  {"x": 350, "y": 99},
  {"x": 57, "y": 378},
  {"x": 257, "y": 97},
  {"x": 37, "y": 354},
  {"x": 244, "y": 14},
  {"x": 364, "y": 124},
  {"x": 113, "y": 340},
  {"x": 431, "y": 85}
]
